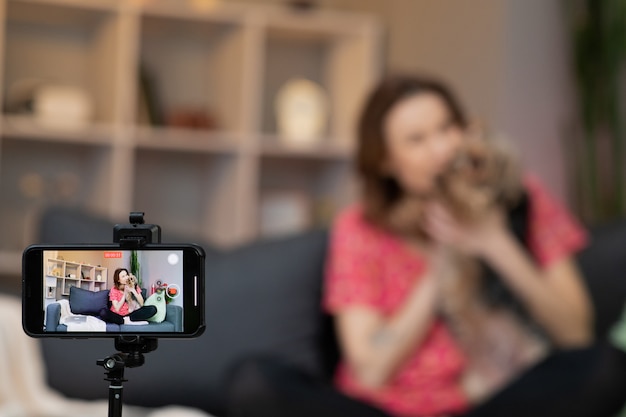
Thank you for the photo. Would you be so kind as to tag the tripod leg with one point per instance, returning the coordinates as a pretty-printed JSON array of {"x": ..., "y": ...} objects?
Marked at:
[
  {"x": 114, "y": 366},
  {"x": 115, "y": 398}
]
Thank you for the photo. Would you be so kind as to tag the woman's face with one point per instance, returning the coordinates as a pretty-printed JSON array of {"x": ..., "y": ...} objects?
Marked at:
[
  {"x": 123, "y": 277},
  {"x": 421, "y": 139}
]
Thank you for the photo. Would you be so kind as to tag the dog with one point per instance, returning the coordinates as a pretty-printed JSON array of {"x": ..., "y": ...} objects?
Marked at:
[
  {"x": 132, "y": 281},
  {"x": 484, "y": 176},
  {"x": 131, "y": 299}
]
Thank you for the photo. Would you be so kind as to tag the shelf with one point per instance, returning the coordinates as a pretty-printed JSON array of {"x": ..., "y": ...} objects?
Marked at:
[
  {"x": 192, "y": 73},
  {"x": 316, "y": 25},
  {"x": 27, "y": 128},
  {"x": 304, "y": 173},
  {"x": 37, "y": 174},
  {"x": 326, "y": 57},
  {"x": 289, "y": 59},
  {"x": 325, "y": 184},
  {"x": 76, "y": 13},
  {"x": 55, "y": 44},
  {"x": 217, "y": 13},
  {"x": 84, "y": 276},
  {"x": 187, "y": 140},
  {"x": 183, "y": 121},
  {"x": 275, "y": 146},
  {"x": 184, "y": 191}
]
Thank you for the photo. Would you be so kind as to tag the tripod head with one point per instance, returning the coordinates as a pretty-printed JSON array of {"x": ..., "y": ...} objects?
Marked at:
[
  {"x": 130, "y": 354},
  {"x": 134, "y": 348}
]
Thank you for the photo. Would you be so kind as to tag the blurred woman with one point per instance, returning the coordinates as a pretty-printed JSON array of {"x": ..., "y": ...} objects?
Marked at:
[
  {"x": 449, "y": 299},
  {"x": 385, "y": 286}
]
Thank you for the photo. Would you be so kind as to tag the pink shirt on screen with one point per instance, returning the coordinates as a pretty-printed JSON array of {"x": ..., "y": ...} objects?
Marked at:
[{"x": 117, "y": 295}]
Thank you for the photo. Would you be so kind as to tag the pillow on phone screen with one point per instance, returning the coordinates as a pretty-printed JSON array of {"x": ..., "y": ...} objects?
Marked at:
[
  {"x": 88, "y": 302},
  {"x": 157, "y": 300}
]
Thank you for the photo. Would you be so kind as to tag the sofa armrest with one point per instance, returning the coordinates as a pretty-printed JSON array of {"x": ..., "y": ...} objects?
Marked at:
[
  {"x": 174, "y": 315},
  {"x": 53, "y": 317}
]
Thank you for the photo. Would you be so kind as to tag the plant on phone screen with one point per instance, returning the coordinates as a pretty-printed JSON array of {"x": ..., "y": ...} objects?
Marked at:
[{"x": 135, "y": 266}]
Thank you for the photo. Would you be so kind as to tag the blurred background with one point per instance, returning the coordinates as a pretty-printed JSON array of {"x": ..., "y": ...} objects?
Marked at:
[{"x": 228, "y": 121}]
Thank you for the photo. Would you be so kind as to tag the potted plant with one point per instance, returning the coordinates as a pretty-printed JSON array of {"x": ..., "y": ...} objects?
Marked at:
[
  {"x": 135, "y": 266},
  {"x": 598, "y": 165}
]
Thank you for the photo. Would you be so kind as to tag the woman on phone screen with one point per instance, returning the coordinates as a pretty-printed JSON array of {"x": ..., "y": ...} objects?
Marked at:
[{"x": 126, "y": 300}]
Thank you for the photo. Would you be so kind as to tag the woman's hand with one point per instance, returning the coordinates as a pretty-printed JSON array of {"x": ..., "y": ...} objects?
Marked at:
[{"x": 475, "y": 238}]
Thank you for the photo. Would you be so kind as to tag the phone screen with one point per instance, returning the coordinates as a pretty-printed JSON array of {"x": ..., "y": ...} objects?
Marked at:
[{"x": 110, "y": 291}]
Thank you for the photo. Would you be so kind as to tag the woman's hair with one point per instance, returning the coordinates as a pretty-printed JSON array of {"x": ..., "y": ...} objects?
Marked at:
[
  {"x": 380, "y": 191},
  {"x": 116, "y": 277}
]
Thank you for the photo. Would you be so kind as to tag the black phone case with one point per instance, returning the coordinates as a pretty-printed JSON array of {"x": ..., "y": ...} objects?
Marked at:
[{"x": 33, "y": 294}]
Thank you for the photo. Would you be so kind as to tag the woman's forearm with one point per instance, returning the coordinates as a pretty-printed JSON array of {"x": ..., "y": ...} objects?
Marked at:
[
  {"x": 389, "y": 343},
  {"x": 138, "y": 296},
  {"x": 117, "y": 304},
  {"x": 555, "y": 298}
]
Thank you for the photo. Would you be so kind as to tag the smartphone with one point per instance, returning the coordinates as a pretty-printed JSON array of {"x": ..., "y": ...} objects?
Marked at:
[{"x": 91, "y": 291}]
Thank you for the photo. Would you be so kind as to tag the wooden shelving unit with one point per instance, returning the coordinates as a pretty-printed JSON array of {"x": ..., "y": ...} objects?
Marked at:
[
  {"x": 73, "y": 274},
  {"x": 229, "y": 60},
  {"x": 61, "y": 275}
]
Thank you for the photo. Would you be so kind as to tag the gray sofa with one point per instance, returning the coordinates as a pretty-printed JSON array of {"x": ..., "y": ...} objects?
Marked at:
[
  {"x": 263, "y": 298},
  {"x": 173, "y": 318}
]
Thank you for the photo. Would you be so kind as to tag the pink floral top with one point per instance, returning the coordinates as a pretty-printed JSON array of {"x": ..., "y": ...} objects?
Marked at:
[
  {"x": 370, "y": 267},
  {"x": 116, "y": 295}
]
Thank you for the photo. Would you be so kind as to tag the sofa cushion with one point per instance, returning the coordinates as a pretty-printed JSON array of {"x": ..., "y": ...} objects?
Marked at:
[
  {"x": 265, "y": 298},
  {"x": 603, "y": 265},
  {"x": 88, "y": 302}
]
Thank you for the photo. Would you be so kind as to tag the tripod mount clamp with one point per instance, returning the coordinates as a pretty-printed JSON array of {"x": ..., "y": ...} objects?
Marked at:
[{"x": 137, "y": 233}]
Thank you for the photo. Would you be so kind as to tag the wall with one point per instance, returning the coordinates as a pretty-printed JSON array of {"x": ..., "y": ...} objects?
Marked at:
[
  {"x": 537, "y": 104},
  {"x": 454, "y": 41},
  {"x": 155, "y": 267}
]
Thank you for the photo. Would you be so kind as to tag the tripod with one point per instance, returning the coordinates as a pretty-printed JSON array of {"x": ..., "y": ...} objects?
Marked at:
[
  {"x": 130, "y": 348},
  {"x": 130, "y": 355}
]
